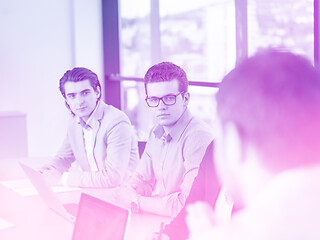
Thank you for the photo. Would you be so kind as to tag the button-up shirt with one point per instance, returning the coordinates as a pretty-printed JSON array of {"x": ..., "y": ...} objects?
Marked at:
[
  {"x": 88, "y": 138},
  {"x": 171, "y": 161},
  {"x": 89, "y": 129}
]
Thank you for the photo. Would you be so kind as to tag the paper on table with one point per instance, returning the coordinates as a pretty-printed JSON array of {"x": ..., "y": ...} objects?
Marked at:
[
  {"x": 25, "y": 188},
  {"x": 5, "y": 224}
]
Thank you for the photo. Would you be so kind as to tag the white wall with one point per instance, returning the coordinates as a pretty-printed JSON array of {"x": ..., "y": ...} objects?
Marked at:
[{"x": 39, "y": 41}]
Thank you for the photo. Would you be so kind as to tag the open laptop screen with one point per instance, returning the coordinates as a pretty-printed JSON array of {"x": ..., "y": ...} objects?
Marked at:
[{"x": 97, "y": 220}]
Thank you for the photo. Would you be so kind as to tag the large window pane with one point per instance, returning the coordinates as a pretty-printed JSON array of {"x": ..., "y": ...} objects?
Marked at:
[
  {"x": 287, "y": 24},
  {"x": 197, "y": 35},
  {"x": 134, "y": 37},
  {"x": 135, "y": 52}
]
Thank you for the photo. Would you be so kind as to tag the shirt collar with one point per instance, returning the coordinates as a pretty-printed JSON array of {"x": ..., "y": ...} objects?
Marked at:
[
  {"x": 93, "y": 120},
  {"x": 177, "y": 129}
]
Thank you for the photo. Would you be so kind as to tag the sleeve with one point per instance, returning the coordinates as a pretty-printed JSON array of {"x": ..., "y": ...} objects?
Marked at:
[
  {"x": 118, "y": 142},
  {"x": 143, "y": 179},
  {"x": 193, "y": 150},
  {"x": 205, "y": 187},
  {"x": 64, "y": 158}
]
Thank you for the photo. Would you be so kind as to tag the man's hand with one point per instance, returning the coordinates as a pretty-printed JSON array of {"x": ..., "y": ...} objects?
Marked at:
[
  {"x": 142, "y": 189},
  {"x": 163, "y": 236},
  {"x": 51, "y": 175},
  {"x": 125, "y": 195},
  {"x": 46, "y": 168}
]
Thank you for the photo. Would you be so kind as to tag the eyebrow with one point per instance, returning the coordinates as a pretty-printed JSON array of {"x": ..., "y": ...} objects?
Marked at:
[
  {"x": 86, "y": 90},
  {"x": 70, "y": 94},
  {"x": 83, "y": 91},
  {"x": 161, "y": 96}
]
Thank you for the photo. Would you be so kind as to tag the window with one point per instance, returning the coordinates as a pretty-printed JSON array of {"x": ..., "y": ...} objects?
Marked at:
[
  {"x": 287, "y": 24},
  {"x": 198, "y": 35}
]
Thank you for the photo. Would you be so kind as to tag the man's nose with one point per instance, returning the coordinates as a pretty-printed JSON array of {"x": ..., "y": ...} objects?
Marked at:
[
  {"x": 80, "y": 100},
  {"x": 162, "y": 105}
]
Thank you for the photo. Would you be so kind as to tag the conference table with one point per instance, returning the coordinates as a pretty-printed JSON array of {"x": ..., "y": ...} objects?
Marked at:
[{"x": 32, "y": 219}]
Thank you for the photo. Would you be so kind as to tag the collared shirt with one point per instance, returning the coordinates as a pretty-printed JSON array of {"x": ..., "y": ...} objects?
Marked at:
[
  {"x": 171, "y": 161},
  {"x": 88, "y": 138},
  {"x": 89, "y": 128}
]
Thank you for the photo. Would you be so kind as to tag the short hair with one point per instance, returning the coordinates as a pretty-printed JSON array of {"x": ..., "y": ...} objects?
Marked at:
[
  {"x": 273, "y": 98},
  {"x": 78, "y": 74},
  {"x": 166, "y": 71}
]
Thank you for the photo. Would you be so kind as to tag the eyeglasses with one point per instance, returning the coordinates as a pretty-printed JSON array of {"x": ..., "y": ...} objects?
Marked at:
[{"x": 168, "y": 100}]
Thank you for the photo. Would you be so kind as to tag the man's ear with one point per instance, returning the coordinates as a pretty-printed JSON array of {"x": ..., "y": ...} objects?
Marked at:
[
  {"x": 186, "y": 98},
  {"x": 245, "y": 163},
  {"x": 98, "y": 92},
  {"x": 228, "y": 155},
  {"x": 233, "y": 143}
]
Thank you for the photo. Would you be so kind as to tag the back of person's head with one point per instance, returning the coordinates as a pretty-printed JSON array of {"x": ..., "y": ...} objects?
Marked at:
[
  {"x": 78, "y": 74},
  {"x": 273, "y": 99},
  {"x": 166, "y": 71}
]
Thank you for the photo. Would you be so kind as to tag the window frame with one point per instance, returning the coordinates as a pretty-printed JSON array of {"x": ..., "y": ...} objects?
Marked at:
[{"x": 110, "y": 18}]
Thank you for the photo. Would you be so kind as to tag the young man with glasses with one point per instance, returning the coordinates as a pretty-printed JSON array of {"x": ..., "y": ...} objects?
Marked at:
[{"x": 175, "y": 147}]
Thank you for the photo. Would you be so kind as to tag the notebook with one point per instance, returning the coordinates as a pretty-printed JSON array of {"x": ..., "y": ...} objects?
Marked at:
[
  {"x": 98, "y": 219},
  {"x": 68, "y": 211}
]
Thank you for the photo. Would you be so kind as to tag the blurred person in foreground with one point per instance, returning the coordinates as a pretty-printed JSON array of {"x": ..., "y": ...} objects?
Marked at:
[
  {"x": 267, "y": 151},
  {"x": 175, "y": 147},
  {"x": 100, "y": 138}
]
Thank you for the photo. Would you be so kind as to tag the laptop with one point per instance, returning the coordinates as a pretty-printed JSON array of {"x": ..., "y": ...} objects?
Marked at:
[
  {"x": 68, "y": 211},
  {"x": 100, "y": 220}
]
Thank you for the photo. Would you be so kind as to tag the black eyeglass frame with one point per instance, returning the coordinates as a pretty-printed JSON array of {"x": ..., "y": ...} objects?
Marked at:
[{"x": 162, "y": 99}]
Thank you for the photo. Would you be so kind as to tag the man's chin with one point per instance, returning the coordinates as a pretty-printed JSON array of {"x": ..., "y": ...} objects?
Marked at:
[
  {"x": 165, "y": 123},
  {"x": 82, "y": 115}
]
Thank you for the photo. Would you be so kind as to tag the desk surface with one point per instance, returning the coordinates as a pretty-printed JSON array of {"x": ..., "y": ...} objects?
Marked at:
[{"x": 34, "y": 220}]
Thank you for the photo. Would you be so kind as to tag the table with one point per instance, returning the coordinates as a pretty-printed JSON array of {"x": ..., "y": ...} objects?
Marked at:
[{"x": 34, "y": 220}]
